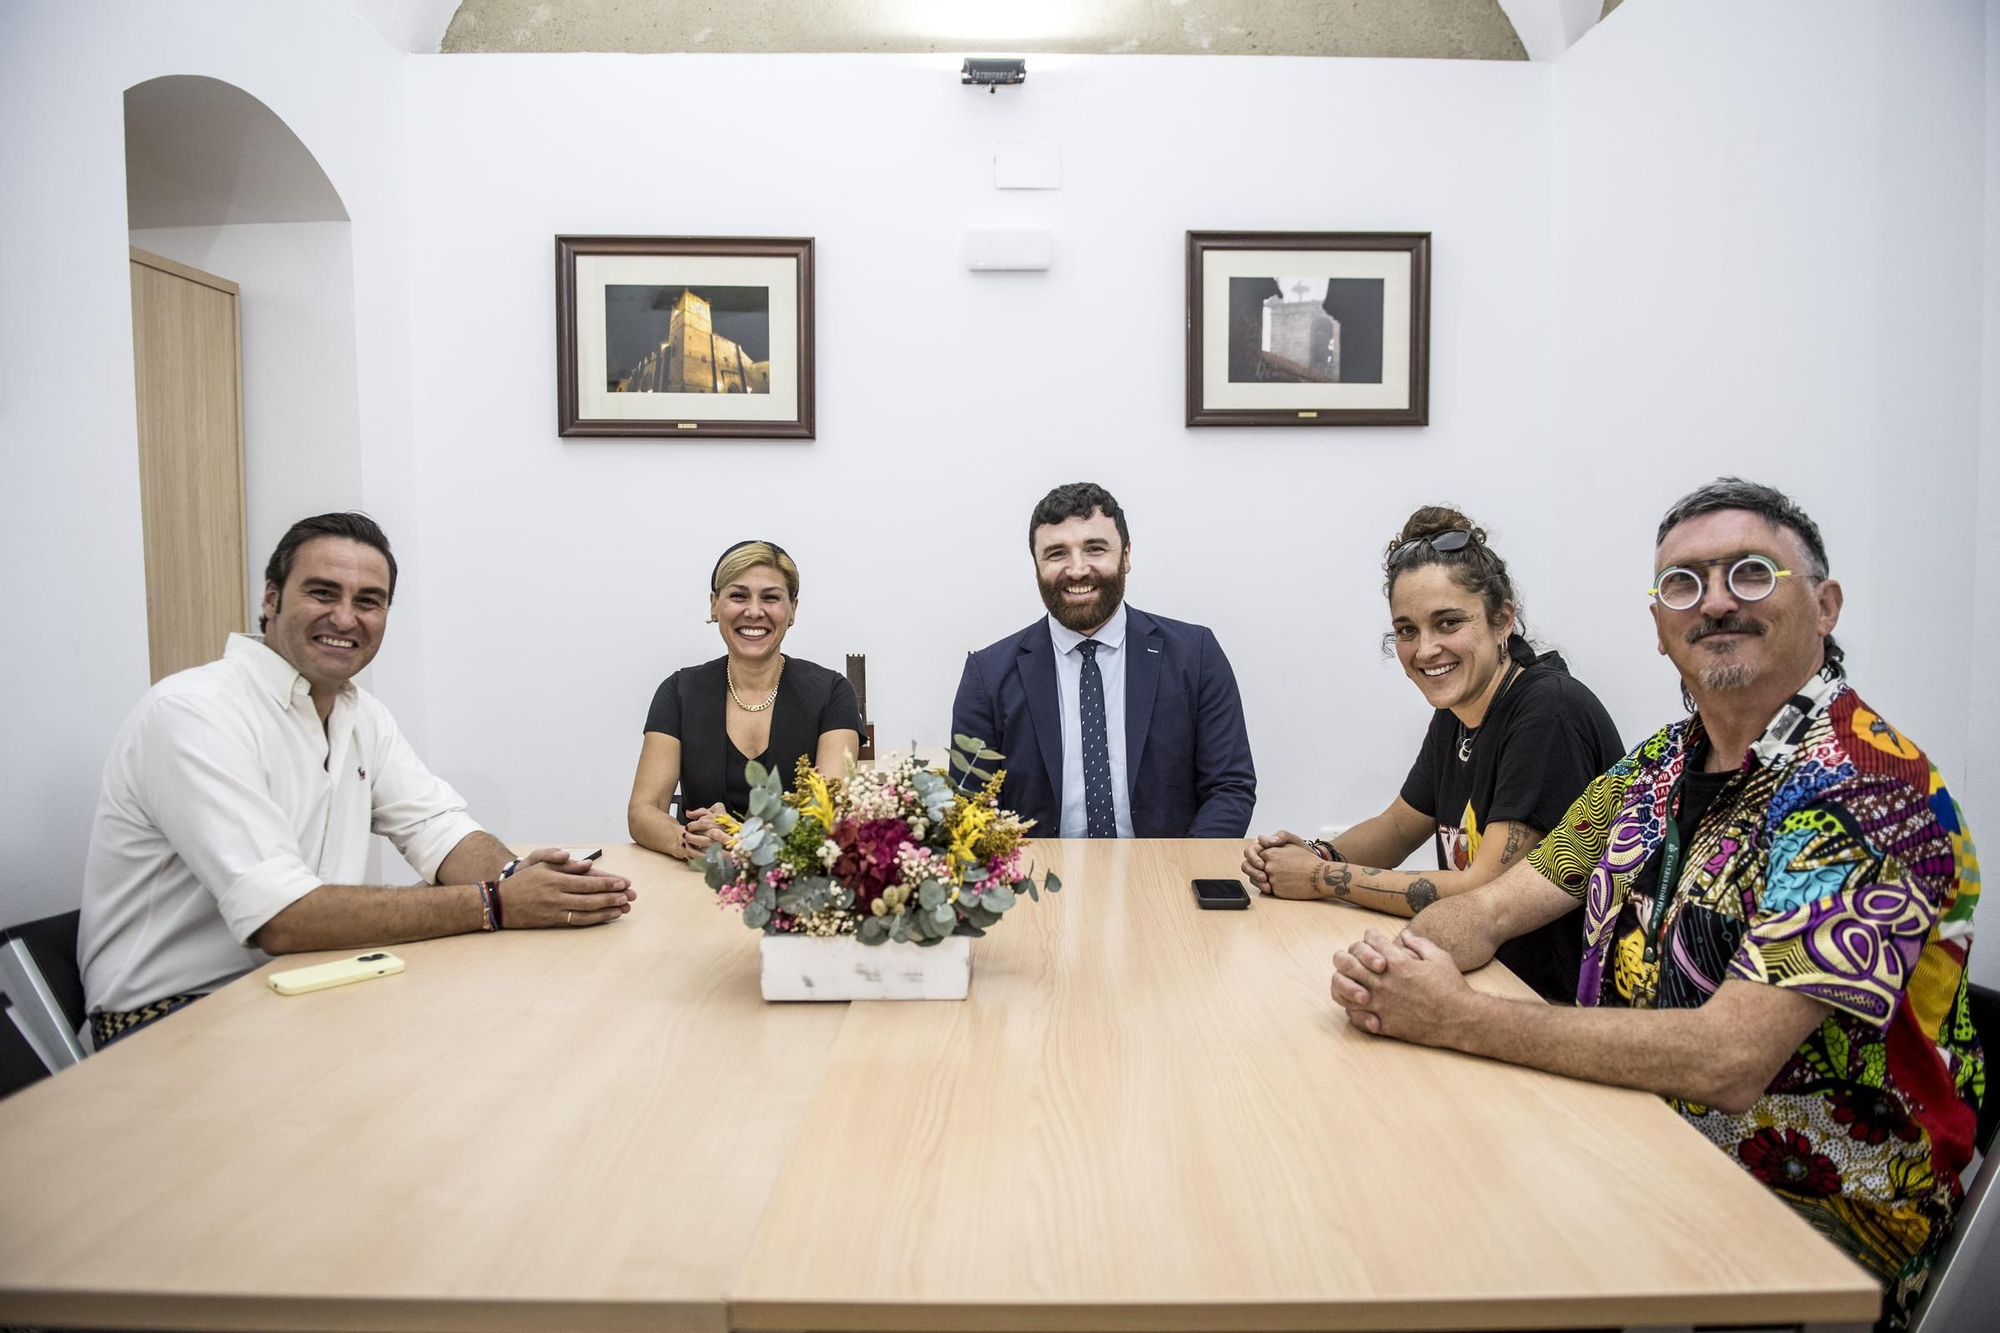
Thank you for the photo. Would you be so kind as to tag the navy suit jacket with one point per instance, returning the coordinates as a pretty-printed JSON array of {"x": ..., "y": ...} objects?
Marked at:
[{"x": 1187, "y": 754}]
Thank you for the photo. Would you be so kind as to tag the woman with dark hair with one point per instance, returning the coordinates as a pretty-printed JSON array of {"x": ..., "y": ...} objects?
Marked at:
[
  {"x": 1514, "y": 740},
  {"x": 708, "y": 722}
]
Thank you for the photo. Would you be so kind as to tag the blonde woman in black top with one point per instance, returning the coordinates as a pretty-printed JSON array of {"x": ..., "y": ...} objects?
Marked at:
[
  {"x": 1514, "y": 739},
  {"x": 707, "y": 722}
]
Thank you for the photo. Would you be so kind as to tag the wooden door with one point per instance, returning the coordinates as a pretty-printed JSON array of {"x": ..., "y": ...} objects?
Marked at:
[{"x": 188, "y": 366}]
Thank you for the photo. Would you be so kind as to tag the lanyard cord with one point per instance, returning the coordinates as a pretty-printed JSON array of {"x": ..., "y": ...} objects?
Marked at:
[{"x": 1670, "y": 869}]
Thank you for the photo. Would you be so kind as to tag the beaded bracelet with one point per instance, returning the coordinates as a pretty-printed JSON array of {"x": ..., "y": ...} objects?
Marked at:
[
  {"x": 1325, "y": 850},
  {"x": 489, "y": 903}
]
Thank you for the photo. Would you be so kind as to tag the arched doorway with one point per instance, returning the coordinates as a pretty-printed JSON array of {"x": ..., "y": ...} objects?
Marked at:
[{"x": 221, "y": 190}]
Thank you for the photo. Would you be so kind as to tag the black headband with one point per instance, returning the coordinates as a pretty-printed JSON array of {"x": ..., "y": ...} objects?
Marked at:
[{"x": 715, "y": 575}]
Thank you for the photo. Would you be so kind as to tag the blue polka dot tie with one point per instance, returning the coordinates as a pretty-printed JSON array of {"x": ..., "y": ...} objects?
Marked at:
[{"x": 1100, "y": 820}]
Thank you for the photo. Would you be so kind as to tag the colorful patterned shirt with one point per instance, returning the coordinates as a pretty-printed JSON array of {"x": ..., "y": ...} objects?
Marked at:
[{"x": 1834, "y": 863}]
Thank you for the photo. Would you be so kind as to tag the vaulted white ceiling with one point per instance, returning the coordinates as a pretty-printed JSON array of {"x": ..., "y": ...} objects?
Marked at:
[{"x": 1446, "y": 29}]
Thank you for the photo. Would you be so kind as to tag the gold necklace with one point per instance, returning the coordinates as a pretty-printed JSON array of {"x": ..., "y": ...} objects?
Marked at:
[{"x": 729, "y": 674}]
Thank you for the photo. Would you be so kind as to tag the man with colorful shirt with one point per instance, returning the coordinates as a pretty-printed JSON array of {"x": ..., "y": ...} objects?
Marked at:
[{"x": 1798, "y": 989}]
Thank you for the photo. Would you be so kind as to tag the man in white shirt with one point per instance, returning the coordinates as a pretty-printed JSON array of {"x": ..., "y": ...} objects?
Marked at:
[
  {"x": 239, "y": 798},
  {"x": 1114, "y": 723}
]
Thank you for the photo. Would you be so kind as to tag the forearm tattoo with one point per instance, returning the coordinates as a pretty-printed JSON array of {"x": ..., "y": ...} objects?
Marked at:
[
  {"x": 1337, "y": 877},
  {"x": 1421, "y": 894}
]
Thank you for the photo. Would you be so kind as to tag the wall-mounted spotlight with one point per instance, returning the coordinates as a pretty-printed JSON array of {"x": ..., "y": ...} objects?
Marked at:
[{"x": 990, "y": 74}]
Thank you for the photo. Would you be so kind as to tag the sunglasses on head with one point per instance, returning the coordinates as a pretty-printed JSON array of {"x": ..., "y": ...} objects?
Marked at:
[
  {"x": 715, "y": 575},
  {"x": 1453, "y": 539}
]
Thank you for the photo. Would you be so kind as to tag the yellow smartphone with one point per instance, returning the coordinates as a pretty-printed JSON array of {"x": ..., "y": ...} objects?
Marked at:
[{"x": 340, "y": 972}]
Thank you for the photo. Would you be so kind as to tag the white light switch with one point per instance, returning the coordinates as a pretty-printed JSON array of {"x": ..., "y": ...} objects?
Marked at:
[{"x": 991, "y": 249}]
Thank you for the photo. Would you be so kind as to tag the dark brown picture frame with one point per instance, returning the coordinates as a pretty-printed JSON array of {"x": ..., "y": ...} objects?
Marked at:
[
  {"x": 796, "y": 424},
  {"x": 1414, "y": 410}
]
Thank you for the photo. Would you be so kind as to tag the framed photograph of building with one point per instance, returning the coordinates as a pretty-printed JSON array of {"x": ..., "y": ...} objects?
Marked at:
[
  {"x": 1308, "y": 328},
  {"x": 684, "y": 337}
]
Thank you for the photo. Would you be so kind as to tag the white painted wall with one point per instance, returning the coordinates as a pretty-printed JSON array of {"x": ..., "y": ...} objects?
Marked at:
[
  {"x": 73, "y": 597},
  {"x": 1767, "y": 224},
  {"x": 1983, "y": 722},
  {"x": 1686, "y": 247},
  {"x": 571, "y": 576}
]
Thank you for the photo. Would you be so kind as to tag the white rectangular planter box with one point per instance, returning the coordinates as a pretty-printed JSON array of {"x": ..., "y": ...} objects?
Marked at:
[{"x": 804, "y": 967}]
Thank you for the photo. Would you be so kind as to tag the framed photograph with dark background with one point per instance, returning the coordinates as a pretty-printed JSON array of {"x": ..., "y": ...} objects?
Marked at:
[
  {"x": 684, "y": 336},
  {"x": 1308, "y": 328}
]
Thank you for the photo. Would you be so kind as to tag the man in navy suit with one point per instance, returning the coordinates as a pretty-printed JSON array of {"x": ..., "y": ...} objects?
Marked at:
[{"x": 1114, "y": 723}]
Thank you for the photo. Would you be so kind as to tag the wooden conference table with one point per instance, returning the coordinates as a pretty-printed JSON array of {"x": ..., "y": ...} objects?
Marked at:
[{"x": 1145, "y": 1117}]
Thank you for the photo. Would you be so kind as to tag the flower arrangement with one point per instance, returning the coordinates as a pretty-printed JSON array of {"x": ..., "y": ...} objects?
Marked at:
[{"x": 896, "y": 855}]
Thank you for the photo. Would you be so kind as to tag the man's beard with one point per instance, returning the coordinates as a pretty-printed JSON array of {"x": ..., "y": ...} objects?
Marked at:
[
  {"x": 1722, "y": 671},
  {"x": 1086, "y": 616}
]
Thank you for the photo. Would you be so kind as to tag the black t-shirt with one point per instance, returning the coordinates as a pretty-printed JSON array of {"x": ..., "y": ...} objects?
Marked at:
[
  {"x": 1544, "y": 738},
  {"x": 691, "y": 705}
]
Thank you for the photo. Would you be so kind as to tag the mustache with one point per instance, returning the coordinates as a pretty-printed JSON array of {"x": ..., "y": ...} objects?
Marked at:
[{"x": 1724, "y": 625}]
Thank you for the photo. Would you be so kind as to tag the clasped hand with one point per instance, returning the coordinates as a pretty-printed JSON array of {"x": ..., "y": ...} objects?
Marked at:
[
  {"x": 1404, "y": 987},
  {"x": 1282, "y": 865},
  {"x": 549, "y": 889},
  {"x": 701, "y": 829}
]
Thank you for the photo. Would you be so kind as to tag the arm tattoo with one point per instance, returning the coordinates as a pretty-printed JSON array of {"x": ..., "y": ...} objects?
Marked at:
[
  {"x": 1336, "y": 877},
  {"x": 1515, "y": 837},
  {"x": 1421, "y": 894}
]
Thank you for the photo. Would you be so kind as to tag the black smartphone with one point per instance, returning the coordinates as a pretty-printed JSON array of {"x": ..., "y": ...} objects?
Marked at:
[{"x": 1221, "y": 895}]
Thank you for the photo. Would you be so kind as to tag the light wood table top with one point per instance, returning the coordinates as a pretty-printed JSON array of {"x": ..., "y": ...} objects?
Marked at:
[
  {"x": 536, "y": 1129},
  {"x": 1149, "y": 1116},
  {"x": 1145, "y": 1116}
]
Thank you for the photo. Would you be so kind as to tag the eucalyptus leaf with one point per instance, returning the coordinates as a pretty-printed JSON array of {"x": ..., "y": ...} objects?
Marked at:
[
  {"x": 943, "y": 915},
  {"x": 794, "y": 903},
  {"x": 998, "y": 898},
  {"x": 755, "y": 915},
  {"x": 899, "y": 930},
  {"x": 873, "y": 930},
  {"x": 976, "y": 875},
  {"x": 965, "y": 742},
  {"x": 961, "y": 763},
  {"x": 989, "y": 754},
  {"x": 982, "y": 918},
  {"x": 930, "y": 893},
  {"x": 784, "y": 821},
  {"x": 765, "y": 897},
  {"x": 1029, "y": 885},
  {"x": 766, "y": 853},
  {"x": 928, "y": 943},
  {"x": 979, "y": 773},
  {"x": 1051, "y": 883},
  {"x": 755, "y": 773},
  {"x": 967, "y": 928},
  {"x": 717, "y": 874}
]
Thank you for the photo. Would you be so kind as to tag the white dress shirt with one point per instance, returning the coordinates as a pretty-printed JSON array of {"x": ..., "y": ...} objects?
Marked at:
[
  {"x": 1069, "y": 690},
  {"x": 224, "y": 802}
]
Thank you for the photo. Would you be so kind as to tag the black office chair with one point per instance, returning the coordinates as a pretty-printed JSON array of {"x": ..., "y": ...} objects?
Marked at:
[
  {"x": 43, "y": 988},
  {"x": 1944, "y": 1308}
]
